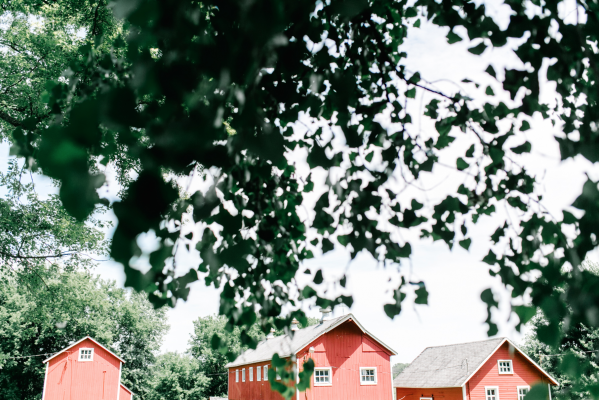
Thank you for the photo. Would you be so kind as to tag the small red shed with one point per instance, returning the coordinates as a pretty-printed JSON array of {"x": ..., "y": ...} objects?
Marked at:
[
  {"x": 487, "y": 370},
  {"x": 350, "y": 363},
  {"x": 85, "y": 370},
  {"x": 125, "y": 394}
]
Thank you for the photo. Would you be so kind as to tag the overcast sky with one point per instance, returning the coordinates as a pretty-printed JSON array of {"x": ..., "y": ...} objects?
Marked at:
[{"x": 455, "y": 278}]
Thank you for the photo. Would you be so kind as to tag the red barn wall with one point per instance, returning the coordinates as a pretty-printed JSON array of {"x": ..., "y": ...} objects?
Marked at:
[
  {"x": 251, "y": 390},
  {"x": 346, "y": 349},
  {"x": 525, "y": 374},
  {"x": 124, "y": 394},
  {"x": 436, "y": 394},
  {"x": 69, "y": 379}
]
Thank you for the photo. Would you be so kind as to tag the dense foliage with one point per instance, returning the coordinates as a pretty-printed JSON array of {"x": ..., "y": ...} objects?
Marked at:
[
  {"x": 575, "y": 362},
  {"x": 177, "y": 377},
  {"x": 46, "y": 317},
  {"x": 163, "y": 89},
  {"x": 397, "y": 368}
]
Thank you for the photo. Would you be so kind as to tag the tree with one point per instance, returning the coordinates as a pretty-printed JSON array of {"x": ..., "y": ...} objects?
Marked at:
[
  {"x": 575, "y": 361},
  {"x": 42, "y": 319},
  {"x": 397, "y": 368},
  {"x": 177, "y": 377},
  {"x": 221, "y": 86}
]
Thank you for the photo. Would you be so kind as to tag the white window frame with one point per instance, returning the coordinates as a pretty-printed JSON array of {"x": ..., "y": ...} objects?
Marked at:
[
  {"x": 251, "y": 374},
  {"x": 376, "y": 376},
  {"x": 236, "y": 376},
  {"x": 330, "y": 376},
  {"x": 510, "y": 372},
  {"x": 86, "y": 359},
  {"x": 243, "y": 375},
  {"x": 258, "y": 373},
  {"x": 265, "y": 370},
  {"x": 496, "y": 392},
  {"x": 522, "y": 387},
  {"x": 426, "y": 398}
]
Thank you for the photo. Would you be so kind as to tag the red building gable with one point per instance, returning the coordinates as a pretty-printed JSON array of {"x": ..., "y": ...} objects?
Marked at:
[
  {"x": 85, "y": 370},
  {"x": 489, "y": 370},
  {"x": 350, "y": 363}
]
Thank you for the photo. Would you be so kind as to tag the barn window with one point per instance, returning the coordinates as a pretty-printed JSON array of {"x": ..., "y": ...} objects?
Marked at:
[
  {"x": 505, "y": 366},
  {"x": 491, "y": 393},
  {"x": 368, "y": 376},
  {"x": 251, "y": 374},
  {"x": 86, "y": 354},
  {"x": 322, "y": 376},
  {"x": 265, "y": 372},
  {"x": 243, "y": 375},
  {"x": 236, "y": 375},
  {"x": 258, "y": 370},
  {"x": 522, "y": 391}
]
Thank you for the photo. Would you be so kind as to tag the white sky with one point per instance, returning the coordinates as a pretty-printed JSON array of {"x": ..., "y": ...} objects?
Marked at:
[{"x": 455, "y": 278}]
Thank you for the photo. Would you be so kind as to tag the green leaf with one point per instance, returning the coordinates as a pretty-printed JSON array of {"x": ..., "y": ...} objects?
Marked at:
[
  {"x": 470, "y": 151},
  {"x": 318, "y": 277},
  {"x": 491, "y": 71},
  {"x": 523, "y": 148},
  {"x": 369, "y": 156},
  {"x": 410, "y": 94},
  {"x": 525, "y": 126},
  {"x": 489, "y": 91},
  {"x": 466, "y": 243},
  {"x": 461, "y": 164},
  {"x": 453, "y": 38},
  {"x": 478, "y": 49}
]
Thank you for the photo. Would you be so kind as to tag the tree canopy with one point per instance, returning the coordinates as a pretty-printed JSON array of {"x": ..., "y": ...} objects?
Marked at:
[
  {"x": 43, "y": 318},
  {"x": 158, "y": 90}
]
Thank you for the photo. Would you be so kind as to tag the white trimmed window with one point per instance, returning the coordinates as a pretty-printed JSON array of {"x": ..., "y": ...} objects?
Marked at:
[
  {"x": 243, "y": 375},
  {"x": 323, "y": 376},
  {"x": 86, "y": 354},
  {"x": 265, "y": 372},
  {"x": 505, "y": 366},
  {"x": 251, "y": 374},
  {"x": 491, "y": 393},
  {"x": 236, "y": 375},
  {"x": 426, "y": 398},
  {"x": 368, "y": 376},
  {"x": 523, "y": 391},
  {"x": 258, "y": 371}
]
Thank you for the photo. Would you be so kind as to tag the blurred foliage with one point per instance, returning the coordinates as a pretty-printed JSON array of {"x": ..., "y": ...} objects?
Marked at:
[
  {"x": 164, "y": 88},
  {"x": 67, "y": 306},
  {"x": 575, "y": 362},
  {"x": 177, "y": 377}
]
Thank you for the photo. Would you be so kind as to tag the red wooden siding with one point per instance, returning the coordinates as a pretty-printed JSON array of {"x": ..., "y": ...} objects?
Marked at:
[
  {"x": 436, "y": 394},
  {"x": 346, "y": 349},
  {"x": 525, "y": 374},
  {"x": 253, "y": 390},
  {"x": 124, "y": 394},
  {"x": 70, "y": 379}
]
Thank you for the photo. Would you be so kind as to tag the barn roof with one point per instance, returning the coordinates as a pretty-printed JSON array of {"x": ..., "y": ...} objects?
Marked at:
[
  {"x": 452, "y": 365},
  {"x": 127, "y": 389},
  {"x": 286, "y": 346},
  {"x": 79, "y": 341}
]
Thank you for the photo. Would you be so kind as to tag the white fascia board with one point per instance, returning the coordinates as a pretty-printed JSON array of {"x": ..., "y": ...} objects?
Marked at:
[{"x": 79, "y": 341}]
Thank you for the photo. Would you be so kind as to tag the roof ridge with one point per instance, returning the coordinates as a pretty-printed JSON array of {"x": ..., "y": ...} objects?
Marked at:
[{"x": 475, "y": 341}]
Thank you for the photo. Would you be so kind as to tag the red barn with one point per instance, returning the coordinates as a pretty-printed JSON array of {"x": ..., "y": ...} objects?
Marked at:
[
  {"x": 86, "y": 370},
  {"x": 492, "y": 369},
  {"x": 350, "y": 363}
]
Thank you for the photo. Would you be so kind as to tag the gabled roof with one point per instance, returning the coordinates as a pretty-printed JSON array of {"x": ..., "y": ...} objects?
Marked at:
[
  {"x": 286, "y": 346},
  {"x": 79, "y": 341},
  {"x": 453, "y": 365}
]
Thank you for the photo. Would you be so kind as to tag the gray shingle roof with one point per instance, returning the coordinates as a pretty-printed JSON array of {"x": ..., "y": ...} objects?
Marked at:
[
  {"x": 286, "y": 346},
  {"x": 444, "y": 366}
]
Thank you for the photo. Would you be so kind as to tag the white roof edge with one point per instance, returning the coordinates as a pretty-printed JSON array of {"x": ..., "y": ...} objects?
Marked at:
[
  {"x": 520, "y": 351},
  {"x": 76, "y": 343},
  {"x": 231, "y": 365},
  {"x": 330, "y": 328},
  {"x": 129, "y": 390}
]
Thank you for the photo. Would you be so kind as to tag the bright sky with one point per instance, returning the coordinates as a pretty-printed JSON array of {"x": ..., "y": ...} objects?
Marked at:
[{"x": 455, "y": 278}]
